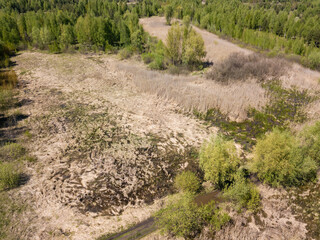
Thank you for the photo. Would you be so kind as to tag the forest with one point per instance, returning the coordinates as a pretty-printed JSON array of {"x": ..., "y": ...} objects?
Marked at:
[{"x": 284, "y": 27}]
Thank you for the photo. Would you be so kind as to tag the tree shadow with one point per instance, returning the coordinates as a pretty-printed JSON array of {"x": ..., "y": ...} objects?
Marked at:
[{"x": 11, "y": 121}]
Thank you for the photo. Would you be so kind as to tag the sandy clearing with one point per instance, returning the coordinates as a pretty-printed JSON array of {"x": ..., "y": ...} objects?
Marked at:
[{"x": 51, "y": 82}]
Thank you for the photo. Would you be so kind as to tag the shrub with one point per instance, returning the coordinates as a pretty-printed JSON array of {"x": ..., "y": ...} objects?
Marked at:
[
  {"x": 9, "y": 176},
  {"x": 244, "y": 193},
  {"x": 241, "y": 67},
  {"x": 158, "y": 63},
  {"x": 187, "y": 182},
  {"x": 279, "y": 160},
  {"x": 125, "y": 53},
  {"x": 219, "y": 160},
  {"x": 314, "y": 59},
  {"x": 147, "y": 58},
  {"x": 183, "y": 218}
]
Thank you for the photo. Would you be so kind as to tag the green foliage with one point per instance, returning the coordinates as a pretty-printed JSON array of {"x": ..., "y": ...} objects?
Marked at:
[
  {"x": 125, "y": 53},
  {"x": 11, "y": 152},
  {"x": 183, "y": 218},
  {"x": 9, "y": 176},
  {"x": 244, "y": 193},
  {"x": 187, "y": 181},
  {"x": 219, "y": 159},
  {"x": 279, "y": 160},
  {"x": 314, "y": 59},
  {"x": 184, "y": 46},
  {"x": 168, "y": 14},
  {"x": 310, "y": 141}
]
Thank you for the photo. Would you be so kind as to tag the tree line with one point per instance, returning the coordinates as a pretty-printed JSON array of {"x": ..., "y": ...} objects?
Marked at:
[
  {"x": 58, "y": 25},
  {"x": 291, "y": 27}
]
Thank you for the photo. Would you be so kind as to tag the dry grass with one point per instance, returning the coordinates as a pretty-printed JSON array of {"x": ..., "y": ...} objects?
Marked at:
[
  {"x": 192, "y": 92},
  {"x": 239, "y": 67}
]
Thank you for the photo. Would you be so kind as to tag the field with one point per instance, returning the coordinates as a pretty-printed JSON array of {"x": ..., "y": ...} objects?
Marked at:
[{"x": 110, "y": 135}]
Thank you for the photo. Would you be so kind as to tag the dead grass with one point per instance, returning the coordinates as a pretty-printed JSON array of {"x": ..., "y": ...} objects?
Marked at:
[
  {"x": 239, "y": 67},
  {"x": 191, "y": 92}
]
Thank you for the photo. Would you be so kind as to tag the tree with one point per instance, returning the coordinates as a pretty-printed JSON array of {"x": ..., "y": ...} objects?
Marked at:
[
  {"x": 184, "y": 46},
  {"x": 193, "y": 48},
  {"x": 219, "y": 159},
  {"x": 279, "y": 160},
  {"x": 174, "y": 44},
  {"x": 168, "y": 14}
]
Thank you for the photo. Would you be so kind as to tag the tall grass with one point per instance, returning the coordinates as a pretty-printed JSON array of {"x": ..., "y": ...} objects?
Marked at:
[
  {"x": 192, "y": 92},
  {"x": 9, "y": 176}
]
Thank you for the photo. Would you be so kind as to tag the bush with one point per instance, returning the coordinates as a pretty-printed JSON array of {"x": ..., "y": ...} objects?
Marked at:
[
  {"x": 219, "y": 160},
  {"x": 187, "y": 182},
  {"x": 147, "y": 58},
  {"x": 244, "y": 193},
  {"x": 183, "y": 218},
  {"x": 241, "y": 67},
  {"x": 9, "y": 176},
  {"x": 125, "y": 53},
  {"x": 279, "y": 160},
  {"x": 314, "y": 59}
]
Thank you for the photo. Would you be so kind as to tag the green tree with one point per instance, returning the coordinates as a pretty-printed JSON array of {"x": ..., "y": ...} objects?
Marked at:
[
  {"x": 279, "y": 160},
  {"x": 219, "y": 159},
  {"x": 168, "y": 14}
]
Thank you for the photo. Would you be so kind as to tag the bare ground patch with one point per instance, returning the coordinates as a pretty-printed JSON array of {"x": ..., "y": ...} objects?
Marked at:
[{"x": 102, "y": 148}]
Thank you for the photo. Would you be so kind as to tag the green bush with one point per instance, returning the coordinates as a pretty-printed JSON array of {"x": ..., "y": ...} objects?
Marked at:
[
  {"x": 187, "y": 182},
  {"x": 314, "y": 59},
  {"x": 9, "y": 176},
  {"x": 125, "y": 53},
  {"x": 244, "y": 193},
  {"x": 219, "y": 159},
  {"x": 183, "y": 218},
  {"x": 147, "y": 58},
  {"x": 158, "y": 63},
  {"x": 12, "y": 152},
  {"x": 279, "y": 160}
]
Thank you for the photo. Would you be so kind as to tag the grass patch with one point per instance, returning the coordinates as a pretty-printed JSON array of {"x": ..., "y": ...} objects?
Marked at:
[
  {"x": 9, "y": 176},
  {"x": 11, "y": 152}
]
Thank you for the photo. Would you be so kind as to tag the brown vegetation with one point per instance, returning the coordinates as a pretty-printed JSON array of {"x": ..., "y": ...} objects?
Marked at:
[{"x": 241, "y": 67}]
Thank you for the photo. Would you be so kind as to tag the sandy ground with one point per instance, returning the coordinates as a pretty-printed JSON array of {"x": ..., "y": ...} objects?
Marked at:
[{"x": 53, "y": 81}]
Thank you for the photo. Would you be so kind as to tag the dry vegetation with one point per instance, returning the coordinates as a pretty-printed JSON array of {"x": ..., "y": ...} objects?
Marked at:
[
  {"x": 240, "y": 67},
  {"x": 196, "y": 93}
]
